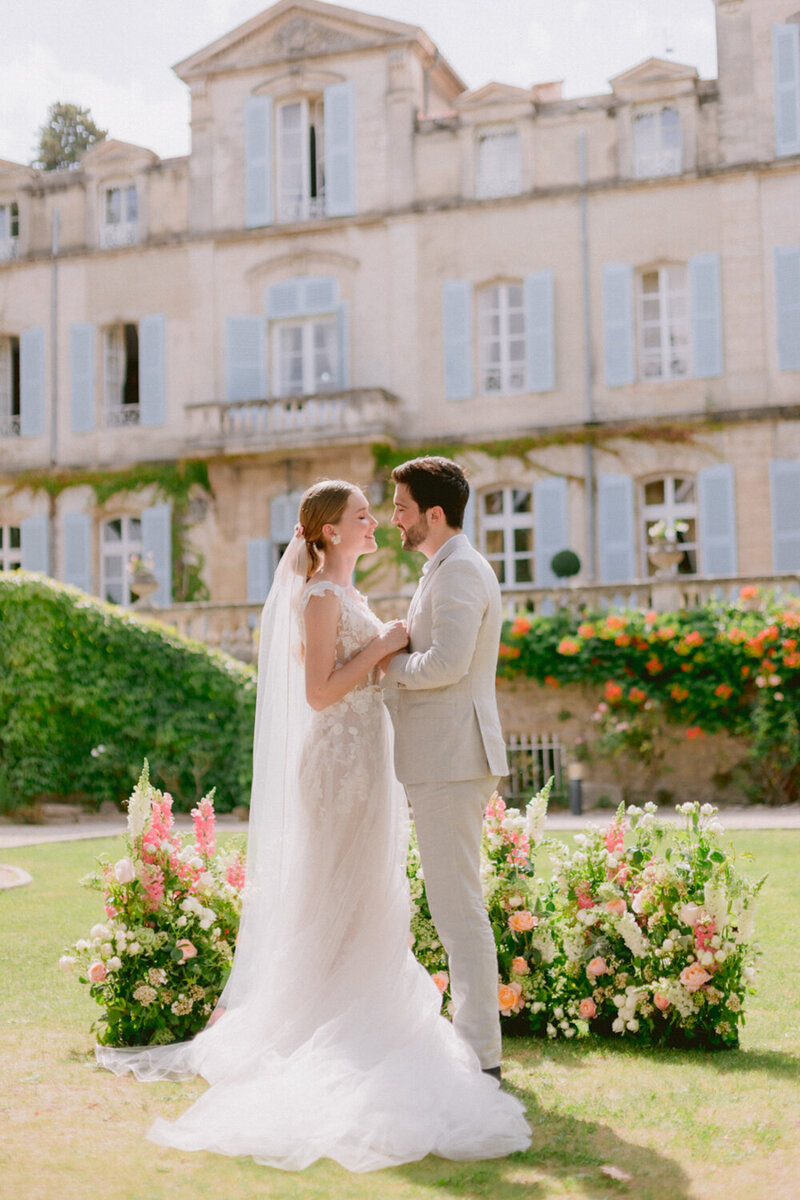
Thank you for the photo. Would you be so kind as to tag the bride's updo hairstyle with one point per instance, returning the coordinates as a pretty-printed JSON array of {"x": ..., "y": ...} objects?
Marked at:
[{"x": 322, "y": 504}]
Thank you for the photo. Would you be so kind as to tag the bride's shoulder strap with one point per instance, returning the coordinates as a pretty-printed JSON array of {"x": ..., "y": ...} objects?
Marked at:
[{"x": 319, "y": 587}]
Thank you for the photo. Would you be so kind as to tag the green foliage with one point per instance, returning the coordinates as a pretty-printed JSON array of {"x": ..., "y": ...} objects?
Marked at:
[
  {"x": 720, "y": 667},
  {"x": 67, "y": 133},
  {"x": 565, "y": 563},
  {"x": 87, "y": 690}
]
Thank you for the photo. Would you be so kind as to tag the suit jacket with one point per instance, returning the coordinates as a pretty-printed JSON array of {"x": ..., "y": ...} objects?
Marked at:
[{"x": 441, "y": 694}]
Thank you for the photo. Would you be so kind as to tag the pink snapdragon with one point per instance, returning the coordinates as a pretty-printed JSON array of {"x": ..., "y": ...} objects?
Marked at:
[
  {"x": 704, "y": 932},
  {"x": 152, "y": 879},
  {"x": 583, "y": 895},
  {"x": 236, "y": 873},
  {"x": 204, "y": 827},
  {"x": 615, "y": 837}
]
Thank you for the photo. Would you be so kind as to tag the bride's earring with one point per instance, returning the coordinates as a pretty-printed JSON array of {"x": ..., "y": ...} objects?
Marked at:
[{"x": 337, "y": 537}]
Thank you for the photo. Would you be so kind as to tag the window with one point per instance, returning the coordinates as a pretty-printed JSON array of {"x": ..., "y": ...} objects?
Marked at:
[
  {"x": 664, "y": 342},
  {"x": 121, "y": 538},
  {"x": 9, "y": 387},
  {"x": 9, "y": 230},
  {"x": 10, "y": 548},
  {"x": 120, "y": 216},
  {"x": 498, "y": 165},
  {"x": 301, "y": 163},
  {"x": 657, "y": 143},
  {"x": 305, "y": 357},
  {"x": 506, "y": 534},
  {"x": 669, "y": 499},
  {"x": 501, "y": 324},
  {"x": 121, "y": 375}
]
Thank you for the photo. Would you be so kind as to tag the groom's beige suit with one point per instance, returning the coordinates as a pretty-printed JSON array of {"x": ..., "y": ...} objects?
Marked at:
[{"x": 449, "y": 754}]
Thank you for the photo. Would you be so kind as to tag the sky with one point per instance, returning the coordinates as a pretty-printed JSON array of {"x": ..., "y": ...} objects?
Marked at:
[{"x": 115, "y": 57}]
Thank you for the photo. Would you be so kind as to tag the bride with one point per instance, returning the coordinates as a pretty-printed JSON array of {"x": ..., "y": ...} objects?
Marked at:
[{"x": 330, "y": 1042}]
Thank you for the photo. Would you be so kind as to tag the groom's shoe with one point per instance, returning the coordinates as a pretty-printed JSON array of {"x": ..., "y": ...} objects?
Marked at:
[{"x": 495, "y": 1072}]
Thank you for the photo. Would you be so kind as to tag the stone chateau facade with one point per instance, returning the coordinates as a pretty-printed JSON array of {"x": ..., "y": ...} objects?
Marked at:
[{"x": 594, "y": 303}]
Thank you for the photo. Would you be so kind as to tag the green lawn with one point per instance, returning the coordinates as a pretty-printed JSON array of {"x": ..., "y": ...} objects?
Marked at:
[{"x": 684, "y": 1125}]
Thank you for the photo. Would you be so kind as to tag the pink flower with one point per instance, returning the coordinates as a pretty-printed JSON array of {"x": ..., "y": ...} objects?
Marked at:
[
  {"x": 583, "y": 896},
  {"x": 522, "y": 921},
  {"x": 235, "y": 874},
  {"x": 704, "y": 932},
  {"x": 588, "y": 1008},
  {"x": 615, "y": 837},
  {"x": 97, "y": 972},
  {"x": 661, "y": 1002},
  {"x": 617, "y": 906},
  {"x": 597, "y": 966},
  {"x": 204, "y": 827},
  {"x": 519, "y": 966},
  {"x": 189, "y": 950},
  {"x": 509, "y": 998},
  {"x": 694, "y": 976},
  {"x": 441, "y": 979}
]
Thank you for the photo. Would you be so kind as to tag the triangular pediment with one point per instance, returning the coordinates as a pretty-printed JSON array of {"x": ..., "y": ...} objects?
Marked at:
[
  {"x": 293, "y": 29},
  {"x": 7, "y": 167},
  {"x": 653, "y": 72},
  {"x": 110, "y": 151},
  {"x": 494, "y": 93}
]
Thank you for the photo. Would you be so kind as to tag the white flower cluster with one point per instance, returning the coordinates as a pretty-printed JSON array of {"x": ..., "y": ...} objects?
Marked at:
[
  {"x": 626, "y": 1004},
  {"x": 632, "y": 935},
  {"x": 191, "y": 906}
]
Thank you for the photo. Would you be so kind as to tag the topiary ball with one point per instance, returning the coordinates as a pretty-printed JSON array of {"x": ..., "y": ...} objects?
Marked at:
[{"x": 565, "y": 563}]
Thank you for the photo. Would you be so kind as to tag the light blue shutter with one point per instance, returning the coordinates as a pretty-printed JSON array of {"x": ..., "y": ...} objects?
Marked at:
[
  {"x": 786, "y": 75},
  {"x": 717, "y": 512},
  {"x": 81, "y": 362},
  {"x": 259, "y": 569},
  {"x": 540, "y": 331},
  {"x": 78, "y": 551},
  {"x": 34, "y": 536},
  {"x": 469, "y": 526},
  {"x": 152, "y": 370},
  {"x": 157, "y": 542},
  {"x": 615, "y": 528},
  {"x": 258, "y": 161},
  {"x": 340, "y": 149},
  {"x": 784, "y": 477},
  {"x": 550, "y": 526},
  {"x": 283, "y": 516},
  {"x": 343, "y": 347},
  {"x": 618, "y": 326},
  {"x": 706, "y": 300},
  {"x": 787, "y": 304},
  {"x": 285, "y": 299},
  {"x": 32, "y": 382},
  {"x": 318, "y": 294},
  {"x": 245, "y": 358},
  {"x": 457, "y": 327}
]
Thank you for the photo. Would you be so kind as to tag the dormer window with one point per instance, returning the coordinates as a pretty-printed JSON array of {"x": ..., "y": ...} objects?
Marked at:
[
  {"x": 301, "y": 160},
  {"x": 656, "y": 143},
  {"x": 120, "y": 216},
  {"x": 498, "y": 164},
  {"x": 9, "y": 230}
]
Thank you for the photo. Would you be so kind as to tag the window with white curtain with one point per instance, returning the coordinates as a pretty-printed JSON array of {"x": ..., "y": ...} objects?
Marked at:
[
  {"x": 671, "y": 498},
  {"x": 10, "y": 396},
  {"x": 498, "y": 164},
  {"x": 10, "y": 548},
  {"x": 501, "y": 335},
  {"x": 121, "y": 538},
  {"x": 657, "y": 143},
  {"x": 119, "y": 218},
  {"x": 304, "y": 356},
  {"x": 505, "y": 534},
  {"x": 664, "y": 323},
  {"x": 300, "y": 139},
  {"x": 121, "y": 375},
  {"x": 9, "y": 229}
]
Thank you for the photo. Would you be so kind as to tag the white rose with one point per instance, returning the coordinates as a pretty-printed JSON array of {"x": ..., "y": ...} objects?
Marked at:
[
  {"x": 114, "y": 963},
  {"x": 66, "y": 962},
  {"x": 82, "y": 944},
  {"x": 720, "y": 956},
  {"x": 568, "y": 1033},
  {"x": 633, "y": 1025},
  {"x": 134, "y": 948},
  {"x": 181, "y": 921},
  {"x": 618, "y": 1025},
  {"x": 667, "y": 945},
  {"x": 558, "y": 1013},
  {"x": 206, "y": 881},
  {"x": 124, "y": 871},
  {"x": 99, "y": 931},
  {"x": 196, "y": 862},
  {"x": 106, "y": 950},
  {"x": 551, "y": 1031}
]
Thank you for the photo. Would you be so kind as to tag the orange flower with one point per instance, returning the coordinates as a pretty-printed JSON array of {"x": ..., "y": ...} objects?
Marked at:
[
  {"x": 637, "y": 695},
  {"x": 521, "y": 921},
  {"x": 613, "y": 692},
  {"x": 441, "y": 979},
  {"x": 694, "y": 731},
  {"x": 509, "y": 998},
  {"x": 585, "y": 630},
  {"x": 622, "y": 639},
  {"x": 568, "y": 646},
  {"x": 650, "y": 617},
  {"x": 520, "y": 626},
  {"x": 654, "y": 665},
  {"x": 745, "y": 672},
  {"x": 791, "y": 660},
  {"x": 677, "y": 692},
  {"x": 614, "y": 622},
  {"x": 666, "y": 632},
  {"x": 551, "y": 681},
  {"x": 693, "y": 638},
  {"x": 508, "y": 651},
  {"x": 724, "y": 691},
  {"x": 748, "y": 592},
  {"x": 687, "y": 668},
  {"x": 693, "y": 977}
]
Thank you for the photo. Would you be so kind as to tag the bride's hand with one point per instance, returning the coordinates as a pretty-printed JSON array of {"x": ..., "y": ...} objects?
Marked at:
[{"x": 393, "y": 638}]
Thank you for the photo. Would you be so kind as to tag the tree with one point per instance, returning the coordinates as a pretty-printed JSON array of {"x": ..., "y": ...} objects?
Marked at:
[{"x": 68, "y": 132}]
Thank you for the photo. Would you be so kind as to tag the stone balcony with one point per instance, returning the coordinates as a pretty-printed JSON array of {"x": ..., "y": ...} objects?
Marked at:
[
  {"x": 330, "y": 418},
  {"x": 232, "y": 627}
]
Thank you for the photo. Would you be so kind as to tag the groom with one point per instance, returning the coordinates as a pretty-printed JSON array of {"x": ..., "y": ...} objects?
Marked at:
[{"x": 449, "y": 749}]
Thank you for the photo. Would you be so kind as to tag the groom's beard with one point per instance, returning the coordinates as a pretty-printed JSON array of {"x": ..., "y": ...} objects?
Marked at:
[{"x": 415, "y": 535}]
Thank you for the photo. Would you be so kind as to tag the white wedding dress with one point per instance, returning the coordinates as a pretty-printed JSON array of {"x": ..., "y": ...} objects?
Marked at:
[{"x": 332, "y": 1044}]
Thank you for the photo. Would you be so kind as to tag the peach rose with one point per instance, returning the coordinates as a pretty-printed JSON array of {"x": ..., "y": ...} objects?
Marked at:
[
  {"x": 522, "y": 921},
  {"x": 509, "y": 998},
  {"x": 597, "y": 966},
  {"x": 661, "y": 1002},
  {"x": 519, "y": 966},
  {"x": 616, "y": 906},
  {"x": 189, "y": 950},
  {"x": 97, "y": 972},
  {"x": 694, "y": 976},
  {"x": 441, "y": 979},
  {"x": 588, "y": 1008}
]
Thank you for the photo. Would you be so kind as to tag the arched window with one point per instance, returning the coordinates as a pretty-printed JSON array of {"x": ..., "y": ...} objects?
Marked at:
[
  {"x": 505, "y": 530},
  {"x": 671, "y": 498},
  {"x": 664, "y": 325},
  {"x": 501, "y": 332},
  {"x": 121, "y": 538}
]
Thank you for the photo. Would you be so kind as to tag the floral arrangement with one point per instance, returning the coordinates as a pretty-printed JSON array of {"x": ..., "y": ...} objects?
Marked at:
[
  {"x": 159, "y": 961},
  {"x": 140, "y": 564},
  {"x": 660, "y": 531},
  {"x": 649, "y": 940}
]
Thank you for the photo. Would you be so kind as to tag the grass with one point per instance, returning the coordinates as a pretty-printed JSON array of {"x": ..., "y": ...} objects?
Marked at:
[{"x": 684, "y": 1125}]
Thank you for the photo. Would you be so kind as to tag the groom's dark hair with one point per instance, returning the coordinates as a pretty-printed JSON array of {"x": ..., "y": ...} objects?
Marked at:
[{"x": 436, "y": 481}]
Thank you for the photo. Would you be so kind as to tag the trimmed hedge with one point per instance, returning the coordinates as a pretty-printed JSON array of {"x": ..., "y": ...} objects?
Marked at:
[{"x": 88, "y": 690}]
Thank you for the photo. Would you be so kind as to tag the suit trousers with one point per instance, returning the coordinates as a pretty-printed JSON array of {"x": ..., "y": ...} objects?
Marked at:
[{"x": 449, "y": 818}]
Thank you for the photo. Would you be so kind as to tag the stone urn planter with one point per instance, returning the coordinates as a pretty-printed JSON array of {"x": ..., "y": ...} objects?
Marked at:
[
  {"x": 144, "y": 583},
  {"x": 665, "y": 557}
]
